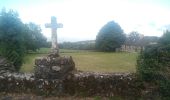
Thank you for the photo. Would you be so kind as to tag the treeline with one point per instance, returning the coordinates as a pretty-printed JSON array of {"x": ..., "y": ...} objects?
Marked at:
[
  {"x": 110, "y": 37},
  {"x": 18, "y": 38},
  {"x": 130, "y": 41},
  {"x": 137, "y": 39},
  {"x": 81, "y": 45}
]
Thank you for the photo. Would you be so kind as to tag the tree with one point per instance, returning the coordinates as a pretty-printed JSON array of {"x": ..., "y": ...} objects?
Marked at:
[
  {"x": 16, "y": 38},
  {"x": 11, "y": 37},
  {"x": 110, "y": 37},
  {"x": 133, "y": 38},
  {"x": 34, "y": 39},
  {"x": 165, "y": 39}
]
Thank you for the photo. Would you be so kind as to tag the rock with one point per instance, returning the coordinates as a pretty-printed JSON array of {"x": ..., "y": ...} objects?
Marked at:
[
  {"x": 56, "y": 68},
  {"x": 53, "y": 66},
  {"x": 7, "y": 98},
  {"x": 6, "y": 66}
]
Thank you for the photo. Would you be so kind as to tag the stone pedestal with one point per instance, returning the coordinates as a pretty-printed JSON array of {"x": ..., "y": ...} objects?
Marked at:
[{"x": 53, "y": 66}]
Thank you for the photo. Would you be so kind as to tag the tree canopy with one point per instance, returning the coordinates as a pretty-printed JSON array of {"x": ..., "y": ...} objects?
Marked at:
[
  {"x": 11, "y": 37},
  {"x": 16, "y": 37},
  {"x": 34, "y": 39},
  {"x": 133, "y": 38},
  {"x": 165, "y": 39},
  {"x": 110, "y": 37}
]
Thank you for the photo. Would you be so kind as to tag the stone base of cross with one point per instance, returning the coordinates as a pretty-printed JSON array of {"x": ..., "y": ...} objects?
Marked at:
[{"x": 54, "y": 25}]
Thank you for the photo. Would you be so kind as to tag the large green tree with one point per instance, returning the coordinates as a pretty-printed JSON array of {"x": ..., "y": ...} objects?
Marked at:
[
  {"x": 110, "y": 37},
  {"x": 11, "y": 37},
  {"x": 16, "y": 37}
]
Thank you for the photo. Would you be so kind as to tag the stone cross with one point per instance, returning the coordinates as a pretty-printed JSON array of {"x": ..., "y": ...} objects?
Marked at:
[{"x": 54, "y": 25}]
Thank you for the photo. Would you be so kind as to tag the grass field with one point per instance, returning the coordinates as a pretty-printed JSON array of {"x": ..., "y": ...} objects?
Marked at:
[{"x": 90, "y": 60}]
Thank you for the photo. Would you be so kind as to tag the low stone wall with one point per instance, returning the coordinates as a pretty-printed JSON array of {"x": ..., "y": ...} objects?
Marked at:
[
  {"x": 77, "y": 84},
  {"x": 102, "y": 84}
]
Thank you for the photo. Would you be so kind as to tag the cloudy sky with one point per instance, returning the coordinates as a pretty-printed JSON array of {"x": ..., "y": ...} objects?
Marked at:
[{"x": 82, "y": 19}]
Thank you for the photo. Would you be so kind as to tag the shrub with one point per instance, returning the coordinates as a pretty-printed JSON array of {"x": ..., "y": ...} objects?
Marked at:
[
  {"x": 154, "y": 62},
  {"x": 153, "y": 65}
]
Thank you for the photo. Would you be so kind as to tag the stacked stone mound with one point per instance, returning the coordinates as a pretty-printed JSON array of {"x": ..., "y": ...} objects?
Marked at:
[
  {"x": 53, "y": 67},
  {"x": 5, "y": 66}
]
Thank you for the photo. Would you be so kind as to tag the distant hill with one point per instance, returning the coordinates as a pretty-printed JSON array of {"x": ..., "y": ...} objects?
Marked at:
[{"x": 85, "y": 42}]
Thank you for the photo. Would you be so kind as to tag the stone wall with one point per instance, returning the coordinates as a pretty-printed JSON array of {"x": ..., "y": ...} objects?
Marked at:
[
  {"x": 5, "y": 65},
  {"x": 77, "y": 84},
  {"x": 53, "y": 67}
]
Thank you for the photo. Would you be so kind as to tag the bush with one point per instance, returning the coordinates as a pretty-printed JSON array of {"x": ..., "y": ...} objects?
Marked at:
[
  {"x": 154, "y": 62},
  {"x": 153, "y": 65}
]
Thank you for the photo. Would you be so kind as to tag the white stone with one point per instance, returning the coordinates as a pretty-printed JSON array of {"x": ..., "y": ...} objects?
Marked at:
[{"x": 56, "y": 68}]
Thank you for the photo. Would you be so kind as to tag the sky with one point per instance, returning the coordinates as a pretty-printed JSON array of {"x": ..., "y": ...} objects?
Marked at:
[{"x": 82, "y": 19}]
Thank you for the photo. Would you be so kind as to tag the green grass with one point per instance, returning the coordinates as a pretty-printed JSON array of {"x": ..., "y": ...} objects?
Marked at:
[
  {"x": 28, "y": 65},
  {"x": 105, "y": 62},
  {"x": 41, "y": 51},
  {"x": 91, "y": 61}
]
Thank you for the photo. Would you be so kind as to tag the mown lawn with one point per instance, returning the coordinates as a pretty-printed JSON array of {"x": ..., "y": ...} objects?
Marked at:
[{"x": 90, "y": 60}]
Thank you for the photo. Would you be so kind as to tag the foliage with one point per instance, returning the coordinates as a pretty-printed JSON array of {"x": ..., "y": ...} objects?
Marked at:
[
  {"x": 137, "y": 39},
  {"x": 153, "y": 65},
  {"x": 133, "y": 38},
  {"x": 47, "y": 44},
  {"x": 16, "y": 37},
  {"x": 110, "y": 37},
  {"x": 33, "y": 38},
  {"x": 11, "y": 37},
  {"x": 152, "y": 61},
  {"x": 165, "y": 39},
  {"x": 81, "y": 45}
]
